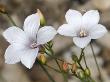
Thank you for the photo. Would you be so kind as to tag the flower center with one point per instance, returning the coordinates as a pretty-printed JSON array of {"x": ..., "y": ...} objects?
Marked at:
[
  {"x": 82, "y": 33},
  {"x": 34, "y": 45}
]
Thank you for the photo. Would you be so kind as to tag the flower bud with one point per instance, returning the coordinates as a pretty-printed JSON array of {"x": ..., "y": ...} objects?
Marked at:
[
  {"x": 81, "y": 74},
  {"x": 42, "y": 49},
  {"x": 74, "y": 58},
  {"x": 87, "y": 72},
  {"x": 74, "y": 68},
  {"x": 42, "y": 19},
  {"x": 42, "y": 58},
  {"x": 65, "y": 66},
  {"x": 2, "y": 9}
]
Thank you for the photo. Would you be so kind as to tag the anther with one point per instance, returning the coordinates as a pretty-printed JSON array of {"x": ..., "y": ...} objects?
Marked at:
[
  {"x": 34, "y": 45},
  {"x": 82, "y": 33}
]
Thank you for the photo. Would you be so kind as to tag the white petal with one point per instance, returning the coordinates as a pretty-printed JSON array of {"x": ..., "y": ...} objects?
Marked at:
[
  {"x": 11, "y": 33},
  {"x": 45, "y": 34},
  {"x": 31, "y": 25},
  {"x": 73, "y": 17},
  {"x": 29, "y": 56},
  {"x": 90, "y": 18},
  {"x": 15, "y": 35},
  {"x": 12, "y": 55},
  {"x": 98, "y": 31},
  {"x": 81, "y": 42},
  {"x": 67, "y": 30}
]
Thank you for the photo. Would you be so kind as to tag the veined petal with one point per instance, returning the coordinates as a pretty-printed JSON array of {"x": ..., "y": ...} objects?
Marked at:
[
  {"x": 67, "y": 30},
  {"x": 31, "y": 25},
  {"x": 90, "y": 18},
  {"x": 28, "y": 57},
  {"x": 15, "y": 35},
  {"x": 81, "y": 42},
  {"x": 73, "y": 17},
  {"x": 45, "y": 34},
  {"x": 12, "y": 55},
  {"x": 97, "y": 31}
]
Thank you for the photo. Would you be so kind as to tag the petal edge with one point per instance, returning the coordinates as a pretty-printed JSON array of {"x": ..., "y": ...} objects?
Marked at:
[
  {"x": 45, "y": 34},
  {"x": 98, "y": 31},
  {"x": 81, "y": 42},
  {"x": 73, "y": 17}
]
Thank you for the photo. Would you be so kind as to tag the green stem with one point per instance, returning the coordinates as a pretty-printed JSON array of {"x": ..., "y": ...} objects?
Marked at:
[
  {"x": 85, "y": 59},
  {"x": 81, "y": 55},
  {"x": 65, "y": 77},
  {"x": 57, "y": 58},
  {"x": 11, "y": 20},
  {"x": 80, "y": 58},
  {"x": 63, "y": 74},
  {"x": 81, "y": 66},
  {"x": 96, "y": 63},
  {"x": 46, "y": 72}
]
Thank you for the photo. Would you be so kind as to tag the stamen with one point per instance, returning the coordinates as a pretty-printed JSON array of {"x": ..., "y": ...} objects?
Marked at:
[
  {"x": 34, "y": 45},
  {"x": 82, "y": 33}
]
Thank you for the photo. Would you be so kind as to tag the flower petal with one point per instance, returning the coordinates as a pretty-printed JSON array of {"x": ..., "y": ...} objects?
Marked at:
[
  {"x": 67, "y": 30},
  {"x": 90, "y": 18},
  {"x": 31, "y": 25},
  {"x": 98, "y": 31},
  {"x": 45, "y": 34},
  {"x": 28, "y": 57},
  {"x": 12, "y": 55},
  {"x": 73, "y": 17},
  {"x": 81, "y": 42},
  {"x": 15, "y": 35}
]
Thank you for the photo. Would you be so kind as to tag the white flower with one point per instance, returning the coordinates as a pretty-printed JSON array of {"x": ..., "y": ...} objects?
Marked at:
[
  {"x": 25, "y": 44},
  {"x": 82, "y": 28}
]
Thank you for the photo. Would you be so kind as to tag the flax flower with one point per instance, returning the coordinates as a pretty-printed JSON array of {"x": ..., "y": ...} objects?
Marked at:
[
  {"x": 82, "y": 28},
  {"x": 24, "y": 44}
]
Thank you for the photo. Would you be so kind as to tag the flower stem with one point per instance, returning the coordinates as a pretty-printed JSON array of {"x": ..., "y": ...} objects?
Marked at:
[
  {"x": 96, "y": 63},
  {"x": 63, "y": 74},
  {"x": 51, "y": 54},
  {"x": 58, "y": 58},
  {"x": 65, "y": 77},
  {"x": 81, "y": 55},
  {"x": 46, "y": 72},
  {"x": 85, "y": 59},
  {"x": 80, "y": 58},
  {"x": 11, "y": 20}
]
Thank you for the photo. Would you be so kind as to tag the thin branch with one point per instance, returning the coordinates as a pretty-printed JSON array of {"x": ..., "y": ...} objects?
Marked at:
[
  {"x": 46, "y": 72},
  {"x": 96, "y": 63}
]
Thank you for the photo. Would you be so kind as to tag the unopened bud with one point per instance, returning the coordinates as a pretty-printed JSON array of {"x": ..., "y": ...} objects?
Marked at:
[
  {"x": 74, "y": 68},
  {"x": 42, "y": 49},
  {"x": 87, "y": 72},
  {"x": 74, "y": 58},
  {"x": 42, "y": 58},
  {"x": 65, "y": 66},
  {"x": 81, "y": 74},
  {"x": 42, "y": 19},
  {"x": 2, "y": 9}
]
